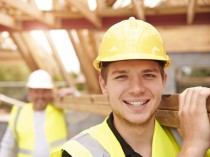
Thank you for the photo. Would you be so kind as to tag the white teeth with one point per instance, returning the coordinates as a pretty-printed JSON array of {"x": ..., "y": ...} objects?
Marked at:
[{"x": 136, "y": 103}]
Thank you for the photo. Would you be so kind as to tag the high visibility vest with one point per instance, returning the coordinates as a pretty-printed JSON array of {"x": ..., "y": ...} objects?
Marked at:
[
  {"x": 100, "y": 141},
  {"x": 22, "y": 126}
]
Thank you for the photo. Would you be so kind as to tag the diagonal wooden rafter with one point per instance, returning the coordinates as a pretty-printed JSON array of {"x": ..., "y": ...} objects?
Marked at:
[
  {"x": 69, "y": 81},
  {"x": 100, "y": 5},
  {"x": 86, "y": 66},
  {"x": 110, "y": 2},
  {"x": 8, "y": 21},
  {"x": 191, "y": 11},
  {"x": 35, "y": 51},
  {"x": 31, "y": 10},
  {"x": 40, "y": 55},
  {"x": 139, "y": 9},
  {"x": 88, "y": 14},
  {"x": 93, "y": 42},
  {"x": 24, "y": 50},
  {"x": 91, "y": 74}
]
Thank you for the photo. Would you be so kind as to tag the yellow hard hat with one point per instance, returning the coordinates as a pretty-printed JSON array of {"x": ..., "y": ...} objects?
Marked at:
[{"x": 131, "y": 39}]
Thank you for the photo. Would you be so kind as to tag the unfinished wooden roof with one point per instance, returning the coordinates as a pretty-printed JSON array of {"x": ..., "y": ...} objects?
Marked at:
[
  {"x": 71, "y": 14},
  {"x": 184, "y": 25}
]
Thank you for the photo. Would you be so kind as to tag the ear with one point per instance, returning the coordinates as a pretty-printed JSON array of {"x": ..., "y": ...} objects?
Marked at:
[
  {"x": 164, "y": 81},
  {"x": 103, "y": 86}
]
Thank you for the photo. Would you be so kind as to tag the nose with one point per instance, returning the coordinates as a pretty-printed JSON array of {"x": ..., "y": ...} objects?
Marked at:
[
  {"x": 39, "y": 95},
  {"x": 136, "y": 86}
]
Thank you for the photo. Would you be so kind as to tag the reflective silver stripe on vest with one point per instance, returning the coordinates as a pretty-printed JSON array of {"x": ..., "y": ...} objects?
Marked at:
[
  {"x": 58, "y": 142},
  {"x": 25, "y": 151},
  {"x": 176, "y": 135},
  {"x": 16, "y": 121},
  {"x": 91, "y": 144}
]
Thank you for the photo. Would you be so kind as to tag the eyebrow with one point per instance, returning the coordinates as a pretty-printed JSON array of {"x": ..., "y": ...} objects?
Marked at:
[
  {"x": 151, "y": 70},
  {"x": 119, "y": 72},
  {"x": 144, "y": 71}
]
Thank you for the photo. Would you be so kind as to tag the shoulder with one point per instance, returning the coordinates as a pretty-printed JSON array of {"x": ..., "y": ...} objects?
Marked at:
[{"x": 79, "y": 144}]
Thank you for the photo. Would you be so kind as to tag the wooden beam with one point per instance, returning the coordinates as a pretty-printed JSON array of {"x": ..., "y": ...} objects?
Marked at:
[
  {"x": 138, "y": 6},
  {"x": 89, "y": 15},
  {"x": 32, "y": 10},
  {"x": 191, "y": 11},
  {"x": 8, "y": 21},
  {"x": 40, "y": 55},
  {"x": 110, "y": 3},
  {"x": 87, "y": 51},
  {"x": 100, "y": 4},
  {"x": 78, "y": 51},
  {"x": 24, "y": 51},
  {"x": 86, "y": 65},
  {"x": 202, "y": 81},
  {"x": 10, "y": 56},
  {"x": 37, "y": 55},
  {"x": 11, "y": 101},
  {"x": 157, "y": 20},
  {"x": 105, "y": 12},
  {"x": 87, "y": 45},
  {"x": 11, "y": 59},
  {"x": 56, "y": 5},
  {"x": 69, "y": 81},
  {"x": 8, "y": 51},
  {"x": 107, "y": 21},
  {"x": 194, "y": 38},
  {"x": 160, "y": 15},
  {"x": 167, "y": 113},
  {"x": 91, "y": 35},
  {"x": 99, "y": 104}
]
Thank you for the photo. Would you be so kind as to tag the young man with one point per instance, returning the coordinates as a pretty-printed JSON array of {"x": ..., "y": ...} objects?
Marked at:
[{"x": 131, "y": 62}]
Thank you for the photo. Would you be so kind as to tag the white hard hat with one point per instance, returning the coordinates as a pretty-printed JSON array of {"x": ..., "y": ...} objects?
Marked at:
[{"x": 40, "y": 79}]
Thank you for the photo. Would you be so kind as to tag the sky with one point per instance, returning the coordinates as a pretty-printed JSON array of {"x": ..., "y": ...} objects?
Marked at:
[
  {"x": 63, "y": 45},
  {"x": 61, "y": 41}
]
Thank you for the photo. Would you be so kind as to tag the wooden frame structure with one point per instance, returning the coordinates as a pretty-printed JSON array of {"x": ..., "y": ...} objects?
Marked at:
[
  {"x": 184, "y": 26},
  {"x": 167, "y": 113}
]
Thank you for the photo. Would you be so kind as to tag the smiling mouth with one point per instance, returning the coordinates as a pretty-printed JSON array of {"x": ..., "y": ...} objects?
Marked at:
[{"x": 136, "y": 103}]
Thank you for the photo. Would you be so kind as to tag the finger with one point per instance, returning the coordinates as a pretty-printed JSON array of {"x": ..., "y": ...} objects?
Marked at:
[
  {"x": 182, "y": 100},
  {"x": 203, "y": 94},
  {"x": 194, "y": 106},
  {"x": 187, "y": 100}
]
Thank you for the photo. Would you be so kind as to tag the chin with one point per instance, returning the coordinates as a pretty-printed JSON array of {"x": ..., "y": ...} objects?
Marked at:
[{"x": 140, "y": 119}]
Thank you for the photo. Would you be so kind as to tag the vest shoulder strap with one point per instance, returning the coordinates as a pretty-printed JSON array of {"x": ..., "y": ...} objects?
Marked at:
[
  {"x": 16, "y": 121},
  {"x": 92, "y": 145},
  {"x": 176, "y": 135}
]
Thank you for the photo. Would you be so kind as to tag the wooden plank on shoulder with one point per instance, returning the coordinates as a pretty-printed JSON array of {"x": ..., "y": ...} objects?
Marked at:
[{"x": 167, "y": 113}]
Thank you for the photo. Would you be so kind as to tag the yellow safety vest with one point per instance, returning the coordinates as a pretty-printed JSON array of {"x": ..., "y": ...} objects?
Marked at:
[
  {"x": 22, "y": 126},
  {"x": 100, "y": 141}
]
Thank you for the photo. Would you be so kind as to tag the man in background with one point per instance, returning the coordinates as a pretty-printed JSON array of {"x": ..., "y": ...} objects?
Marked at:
[{"x": 37, "y": 128}]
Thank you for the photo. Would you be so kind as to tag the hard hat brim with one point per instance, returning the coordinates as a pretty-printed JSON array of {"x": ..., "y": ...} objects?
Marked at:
[{"x": 130, "y": 56}]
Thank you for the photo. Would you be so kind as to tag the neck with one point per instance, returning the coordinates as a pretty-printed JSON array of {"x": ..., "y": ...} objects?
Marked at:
[{"x": 139, "y": 137}]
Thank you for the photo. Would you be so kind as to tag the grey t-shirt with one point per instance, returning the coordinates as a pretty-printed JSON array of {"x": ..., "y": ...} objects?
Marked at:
[{"x": 41, "y": 148}]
